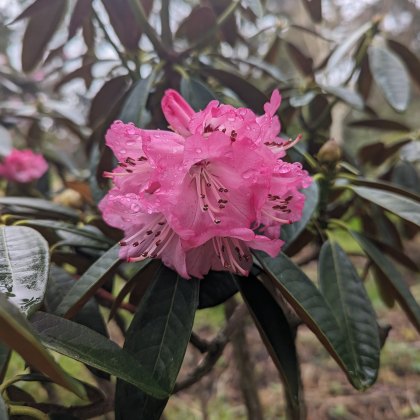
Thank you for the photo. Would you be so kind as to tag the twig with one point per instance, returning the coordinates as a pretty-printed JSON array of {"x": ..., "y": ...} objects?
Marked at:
[
  {"x": 215, "y": 350},
  {"x": 202, "y": 345}
]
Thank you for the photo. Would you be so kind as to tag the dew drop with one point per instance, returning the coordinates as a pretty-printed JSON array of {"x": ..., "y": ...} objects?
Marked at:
[
  {"x": 249, "y": 174},
  {"x": 123, "y": 151},
  {"x": 198, "y": 150}
]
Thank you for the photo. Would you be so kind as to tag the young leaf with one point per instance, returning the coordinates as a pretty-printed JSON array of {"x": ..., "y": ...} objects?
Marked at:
[
  {"x": 391, "y": 76},
  {"x": 215, "y": 288},
  {"x": 24, "y": 262},
  {"x": 16, "y": 333},
  {"x": 344, "y": 291},
  {"x": 402, "y": 206},
  {"x": 274, "y": 329},
  {"x": 310, "y": 305},
  {"x": 290, "y": 232},
  {"x": 392, "y": 276},
  {"x": 93, "y": 349},
  {"x": 88, "y": 283},
  {"x": 196, "y": 93},
  {"x": 158, "y": 337}
]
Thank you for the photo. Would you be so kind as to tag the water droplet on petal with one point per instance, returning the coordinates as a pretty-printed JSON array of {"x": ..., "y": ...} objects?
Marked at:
[
  {"x": 250, "y": 174},
  {"x": 135, "y": 207},
  {"x": 198, "y": 150},
  {"x": 123, "y": 151}
]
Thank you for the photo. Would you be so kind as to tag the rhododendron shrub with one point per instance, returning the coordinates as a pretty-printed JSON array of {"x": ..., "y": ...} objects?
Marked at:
[
  {"x": 23, "y": 166},
  {"x": 202, "y": 195}
]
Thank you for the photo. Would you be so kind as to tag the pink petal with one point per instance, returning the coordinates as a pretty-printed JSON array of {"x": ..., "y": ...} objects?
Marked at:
[{"x": 177, "y": 112}]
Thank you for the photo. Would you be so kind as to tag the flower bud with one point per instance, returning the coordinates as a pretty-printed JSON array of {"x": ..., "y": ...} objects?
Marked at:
[
  {"x": 330, "y": 152},
  {"x": 69, "y": 198}
]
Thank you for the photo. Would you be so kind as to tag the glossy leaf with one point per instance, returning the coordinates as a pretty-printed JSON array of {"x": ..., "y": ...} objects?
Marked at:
[
  {"x": 301, "y": 293},
  {"x": 392, "y": 276},
  {"x": 89, "y": 282},
  {"x": 32, "y": 10},
  {"x": 346, "y": 95},
  {"x": 199, "y": 21},
  {"x": 364, "y": 81},
  {"x": 24, "y": 262},
  {"x": 215, "y": 288},
  {"x": 344, "y": 291},
  {"x": 4, "y": 360},
  {"x": 303, "y": 62},
  {"x": 402, "y": 206},
  {"x": 16, "y": 333},
  {"x": 245, "y": 90},
  {"x": 196, "y": 93},
  {"x": 87, "y": 346},
  {"x": 290, "y": 232},
  {"x": 391, "y": 76},
  {"x": 134, "y": 106},
  {"x": 347, "y": 45},
  {"x": 158, "y": 337},
  {"x": 274, "y": 329},
  {"x": 37, "y": 34}
]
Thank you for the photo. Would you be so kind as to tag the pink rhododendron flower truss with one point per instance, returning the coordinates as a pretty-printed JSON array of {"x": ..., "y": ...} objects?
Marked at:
[
  {"x": 23, "y": 166},
  {"x": 201, "y": 196}
]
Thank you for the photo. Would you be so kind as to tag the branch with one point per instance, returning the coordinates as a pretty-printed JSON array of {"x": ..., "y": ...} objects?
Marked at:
[{"x": 215, "y": 350}]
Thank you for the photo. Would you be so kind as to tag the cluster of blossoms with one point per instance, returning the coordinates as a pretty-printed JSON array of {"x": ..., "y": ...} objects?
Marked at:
[
  {"x": 23, "y": 166},
  {"x": 200, "y": 196}
]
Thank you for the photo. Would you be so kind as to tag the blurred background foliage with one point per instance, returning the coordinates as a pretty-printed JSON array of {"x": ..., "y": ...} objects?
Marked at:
[{"x": 349, "y": 75}]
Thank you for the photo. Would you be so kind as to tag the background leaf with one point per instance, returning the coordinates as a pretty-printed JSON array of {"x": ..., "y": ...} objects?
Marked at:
[
  {"x": 391, "y": 76},
  {"x": 196, "y": 93},
  {"x": 158, "y": 337},
  {"x": 215, "y": 288},
  {"x": 344, "y": 291},
  {"x": 24, "y": 263}
]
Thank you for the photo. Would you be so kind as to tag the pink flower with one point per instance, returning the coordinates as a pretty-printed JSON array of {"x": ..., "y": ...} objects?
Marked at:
[
  {"x": 201, "y": 196},
  {"x": 23, "y": 166}
]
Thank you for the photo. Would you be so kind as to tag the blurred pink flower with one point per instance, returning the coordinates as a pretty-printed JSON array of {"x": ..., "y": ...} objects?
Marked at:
[
  {"x": 200, "y": 196},
  {"x": 23, "y": 166}
]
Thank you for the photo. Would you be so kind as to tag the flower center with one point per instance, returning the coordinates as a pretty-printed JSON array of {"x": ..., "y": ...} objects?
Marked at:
[
  {"x": 151, "y": 239},
  {"x": 211, "y": 192},
  {"x": 232, "y": 253}
]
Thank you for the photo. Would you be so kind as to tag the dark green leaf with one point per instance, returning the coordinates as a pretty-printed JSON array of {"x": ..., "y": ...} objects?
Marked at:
[
  {"x": 87, "y": 285},
  {"x": 344, "y": 291},
  {"x": 87, "y": 346},
  {"x": 391, "y": 76},
  {"x": 380, "y": 124},
  {"x": 196, "y": 93},
  {"x": 105, "y": 100},
  {"x": 310, "y": 305},
  {"x": 158, "y": 337},
  {"x": 314, "y": 8},
  {"x": 16, "y": 333},
  {"x": 405, "y": 174},
  {"x": 38, "y": 34},
  {"x": 290, "y": 232},
  {"x": 43, "y": 206},
  {"x": 393, "y": 276},
  {"x": 24, "y": 262},
  {"x": 277, "y": 335},
  {"x": 134, "y": 106},
  {"x": 4, "y": 360},
  {"x": 124, "y": 22},
  {"x": 215, "y": 288},
  {"x": 250, "y": 94},
  {"x": 402, "y": 206}
]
